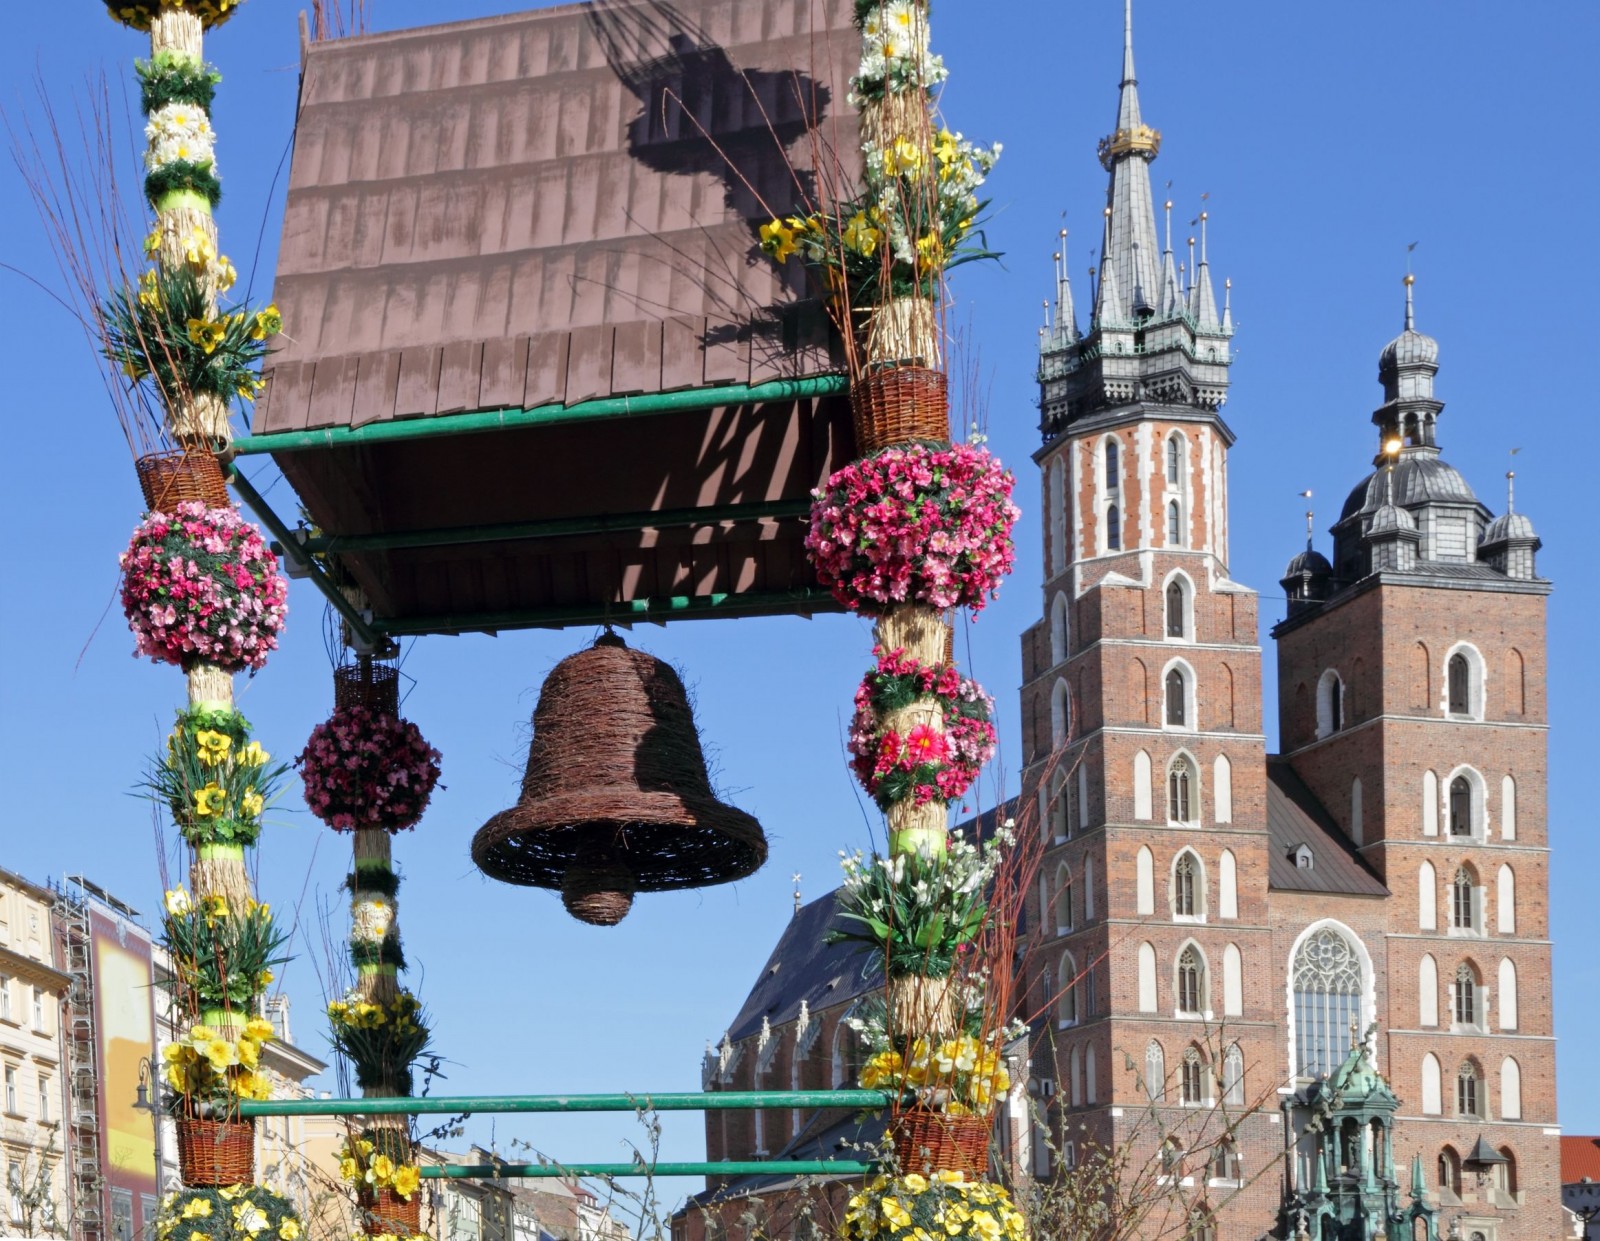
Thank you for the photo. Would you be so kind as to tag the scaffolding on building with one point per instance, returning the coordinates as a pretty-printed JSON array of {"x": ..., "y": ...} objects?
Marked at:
[{"x": 83, "y": 1144}]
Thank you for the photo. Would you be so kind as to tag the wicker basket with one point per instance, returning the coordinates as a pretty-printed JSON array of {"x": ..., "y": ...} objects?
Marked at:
[
  {"x": 384, "y": 1211},
  {"x": 898, "y": 404},
  {"x": 168, "y": 479},
  {"x": 928, "y": 1141},
  {"x": 375, "y": 686},
  {"x": 216, "y": 1152}
]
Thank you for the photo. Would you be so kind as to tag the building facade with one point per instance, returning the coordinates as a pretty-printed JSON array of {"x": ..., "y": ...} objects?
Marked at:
[{"x": 1233, "y": 923}]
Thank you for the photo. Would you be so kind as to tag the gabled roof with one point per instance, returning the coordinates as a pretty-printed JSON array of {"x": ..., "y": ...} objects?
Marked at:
[
  {"x": 1296, "y": 817},
  {"x": 802, "y": 967}
]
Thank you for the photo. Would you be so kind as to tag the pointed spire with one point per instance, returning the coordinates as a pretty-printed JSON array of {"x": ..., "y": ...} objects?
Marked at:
[
  {"x": 1128, "y": 78},
  {"x": 1205, "y": 300},
  {"x": 1131, "y": 249},
  {"x": 1227, "y": 305},
  {"x": 1171, "y": 291},
  {"x": 1108, "y": 304},
  {"x": 1419, "y": 1189},
  {"x": 1066, "y": 313}
]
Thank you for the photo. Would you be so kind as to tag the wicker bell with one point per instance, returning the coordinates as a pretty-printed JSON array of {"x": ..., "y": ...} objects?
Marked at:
[{"x": 616, "y": 799}]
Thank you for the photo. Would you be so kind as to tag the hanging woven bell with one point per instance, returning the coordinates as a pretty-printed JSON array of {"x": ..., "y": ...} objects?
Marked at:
[{"x": 616, "y": 799}]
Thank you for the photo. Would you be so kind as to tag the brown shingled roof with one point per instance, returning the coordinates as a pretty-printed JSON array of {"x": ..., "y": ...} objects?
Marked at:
[
  {"x": 1296, "y": 817},
  {"x": 544, "y": 209}
]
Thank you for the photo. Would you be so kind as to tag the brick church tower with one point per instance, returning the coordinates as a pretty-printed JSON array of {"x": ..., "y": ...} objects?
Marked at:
[
  {"x": 1239, "y": 945},
  {"x": 1141, "y": 710}
]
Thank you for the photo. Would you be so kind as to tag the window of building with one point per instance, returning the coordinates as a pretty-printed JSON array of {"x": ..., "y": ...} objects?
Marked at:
[
  {"x": 1067, "y": 1004},
  {"x": 1172, "y": 1157},
  {"x": 1461, "y": 806},
  {"x": 1064, "y": 898},
  {"x": 1194, "y": 1077},
  {"x": 44, "y": 1098},
  {"x": 1155, "y": 1072},
  {"x": 1174, "y": 461},
  {"x": 1468, "y": 1001},
  {"x": 1113, "y": 529},
  {"x": 1503, "y": 1176},
  {"x": 1225, "y": 1161},
  {"x": 5, "y": 998},
  {"x": 1469, "y": 1090},
  {"x": 1460, "y": 681},
  {"x": 38, "y": 1011},
  {"x": 121, "y": 1215},
  {"x": 1060, "y": 631},
  {"x": 1177, "y": 705},
  {"x": 1191, "y": 979},
  {"x": 1506, "y": 1004},
  {"x": 1180, "y": 792},
  {"x": 1464, "y": 900},
  {"x": 14, "y": 1190},
  {"x": 1233, "y": 1076},
  {"x": 1174, "y": 524},
  {"x": 1449, "y": 1176},
  {"x": 1060, "y": 713},
  {"x": 1175, "y": 609},
  {"x": 1113, "y": 465},
  {"x": 1186, "y": 885},
  {"x": 1060, "y": 807},
  {"x": 1510, "y": 1089},
  {"x": 11, "y": 1091},
  {"x": 1330, "y": 704},
  {"x": 1328, "y": 982}
]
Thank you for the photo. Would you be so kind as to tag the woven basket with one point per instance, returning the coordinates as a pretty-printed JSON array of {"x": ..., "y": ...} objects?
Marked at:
[
  {"x": 216, "y": 1152},
  {"x": 928, "y": 1141},
  {"x": 384, "y": 1211},
  {"x": 168, "y": 479},
  {"x": 898, "y": 404},
  {"x": 374, "y": 686}
]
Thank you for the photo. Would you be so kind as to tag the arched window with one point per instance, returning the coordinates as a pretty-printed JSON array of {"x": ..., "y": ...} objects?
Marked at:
[
  {"x": 1232, "y": 981},
  {"x": 1191, "y": 981},
  {"x": 1172, "y": 1157},
  {"x": 1427, "y": 898},
  {"x": 1461, "y": 806},
  {"x": 1064, "y": 897},
  {"x": 1177, "y": 714},
  {"x": 1510, "y": 1089},
  {"x": 1057, "y": 821},
  {"x": 1075, "y": 1077},
  {"x": 1505, "y": 901},
  {"x": 1194, "y": 1077},
  {"x": 1059, "y": 629},
  {"x": 1090, "y": 1090},
  {"x": 1468, "y": 996},
  {"x": 1176, "y": 609},
  {"x": 1113, "y": 529},
  {"x": 1147, "y": 978},
  {"x": 1174, "y": 460},
  {"x": 1174, "y": 524},
  {"x": 1144, "y": 881},
  {"x": 1222, "y": 790},
  {"x": 1460, "y": 678},
  {"x": 1427, "y": 991},
  {"x": 1181, "y": 802},
  {"x": 1067, "y": 1004},
  {"x": 1113, "y": 465},
  {"x": 1508, "y": 809},
  {"x": 847, "y": 1057},
  {"x": 1141, "y": 785},
  {"x": 1469, "y": 1090},
  {"x": 1186, "y": 883},
  {"x": 1233, "y": 1076},
  {"x": 1430, "y": 804},
  {"x": 1432, "y": 1104},
  {"x": 1330, "y": 704},
  {"x": 1060, "y": 713},
  {"x": 1503, "y": 1176},
  {"x": 1155, "y": 1071},
  {"x": 1464, "y": 900},
  {"x": 1328, "y": 982},
  {"x": 1227, "y": 886},
  {"x": 1225, "y": 1165},
  {"x": 1507, "y": 995},
  {"x": 1450, "y": 1171}
]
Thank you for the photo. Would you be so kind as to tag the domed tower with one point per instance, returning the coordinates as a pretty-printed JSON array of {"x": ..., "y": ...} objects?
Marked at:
[
  {"x": 1141, "y": 696},
  {"x": 1412, "y": 706}
]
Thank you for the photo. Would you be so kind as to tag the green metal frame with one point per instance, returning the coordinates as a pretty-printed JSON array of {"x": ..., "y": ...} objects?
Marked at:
[
  {"x": 665, "y": 1101},
  {"x": 479, "y": 421},
  {"x": 634, "y": 611}
]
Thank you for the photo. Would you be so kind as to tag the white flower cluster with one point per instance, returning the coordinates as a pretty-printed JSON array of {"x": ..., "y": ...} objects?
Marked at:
[
  {"x": 895, "y": 55},
  {"x": 923, "y": 200},
  {"x": 371, "y": 916},
  {"x": 179, "y": 131}
]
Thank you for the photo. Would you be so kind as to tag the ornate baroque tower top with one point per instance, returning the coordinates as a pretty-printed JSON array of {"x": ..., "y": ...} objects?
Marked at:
[{"x": 1155, "y": 334}]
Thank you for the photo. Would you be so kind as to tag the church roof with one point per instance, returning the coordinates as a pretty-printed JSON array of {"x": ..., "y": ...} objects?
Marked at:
[
  {"x": 1294, "y": 818},
  {"x": 1420, "y": 477},
  {"x": 802, "y": 967}
]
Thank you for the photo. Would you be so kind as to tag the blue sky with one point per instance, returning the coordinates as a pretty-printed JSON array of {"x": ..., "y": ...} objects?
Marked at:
[{"x": 1328, "y": 138}]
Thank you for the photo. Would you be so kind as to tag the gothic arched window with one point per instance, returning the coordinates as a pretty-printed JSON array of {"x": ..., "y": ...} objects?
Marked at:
[
  {"x": 1463, "y": 900},
  {"x": 1184, "y": 883},
  {"x": 1191, "y": 976},
  {"x": 1180, "y": 789},
  {"x": 1194, "y": 1077},
  {"x": 1469, "y": 1090},
  {"x": 1328, "y": 982},
  {"x": 1174, "y": 461},
  {"x": 1113, "y": 529},
  {"x": 1155, "y": 1071},
  {"x": 1461, "y": 806},
  {"x": 1175, "y": 626},
  {"x": 1466, "y": 996},
  {"x": 1113, "y": 466},
  {"x": 1174, "y": 524},
  {"x": 1177, "y": 694},
  {"x": 1459, "y": 678}
]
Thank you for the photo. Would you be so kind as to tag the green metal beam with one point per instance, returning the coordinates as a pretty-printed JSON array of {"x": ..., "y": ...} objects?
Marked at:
[
  {"x": 634, "y": 611},
  {"x": 557, "y": 527},
  {"x": 545, "y": 415},
  {"x": 666, "y": 1101},
  {"x": 315, "y": 572},
  {"x": 753, "y": 1167}
]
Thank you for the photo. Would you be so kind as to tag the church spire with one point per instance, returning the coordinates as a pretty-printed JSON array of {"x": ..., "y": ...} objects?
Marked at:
[{"x": 1131, "y": 248}]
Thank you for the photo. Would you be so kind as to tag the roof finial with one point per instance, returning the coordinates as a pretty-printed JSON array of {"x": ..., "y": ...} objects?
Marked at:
[
  {"x": 1411, "y": 323},
  {"x": 1310, "y": 518},
  {"x": 796, "y": 878},
  {"x": 1227, "y": 304},
  {"x": 1204, "y": 216},
  {"x": 1168, "y": 206},
  {"x": 1127, "y": 42}
]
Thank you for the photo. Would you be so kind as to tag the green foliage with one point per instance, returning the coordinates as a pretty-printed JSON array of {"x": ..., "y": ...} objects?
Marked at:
[
  {"x": 386, "y": 951},
  {"x": 232, "y": 1213},
  {"x": 222, "y": 957},
  {"x": 373, "y": 877},
  {"x": 183, "y": 174},
  {"x": 381, "y": 1041},
  {"x": 172, "y": 77},
  {"x": 916, "y": 910},
  {"x": 165, "y": 331},
  {"x": 214, "y": 779}
]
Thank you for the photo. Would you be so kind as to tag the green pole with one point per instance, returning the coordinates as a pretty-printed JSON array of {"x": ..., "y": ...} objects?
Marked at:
[
  {"x": 667, "y": 1101},
  {"x": 687, "y": 400},
  {"x": 755, "y": 1167}
]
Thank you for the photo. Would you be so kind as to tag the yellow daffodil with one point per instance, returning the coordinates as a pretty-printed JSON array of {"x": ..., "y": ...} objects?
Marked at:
[
  {"x": 914, "y": 1184},
  {"x": 249, "y": 1052},
  {"x": 289, "y": 1230},
  {"x": 177, "y": 1076},
  {"x": 224, "y": 274},
  {"x": 198, "y": 249},
  {"x": 405, "y": 1180},
  {"x": 252, "y": 804},
  {"x": 347, "y": 1168},
  {"x": 150, "y": 290},
  {"x": 945, "y": 147},
  {"x": 197, "y": 1235},
  {"x": 215, "y": 906},
  {"x": 861, "y": 236},
  {"x": 252, "y": 755},
  {"x": 178, "y": 903},
  {"x": 930, "y": 250},
  {"x": 263, "y": 979},
  {"x": 213, "y": 746},
  {"x": 220, "y": 1054},
  {"x": 777, "y": 239},
  {"x": 208, "y": 801},
  {"x": 985, "y": 1226},
  {"x": 207, "y": 333},
  {"x": 268, "y": 322},
  {"x": 152, "y": 243},
  {"x": 380, "y": 1170},
  {"x": 260, "y": 1029},
  {"x": 197, "y": 1208},
  {"x": 202, "y": 1034},
  {"x": 895, "y": 1213}
]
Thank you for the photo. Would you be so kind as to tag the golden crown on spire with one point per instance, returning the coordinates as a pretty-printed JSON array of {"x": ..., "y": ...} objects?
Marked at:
[{"x": 1141, "y": 140}]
